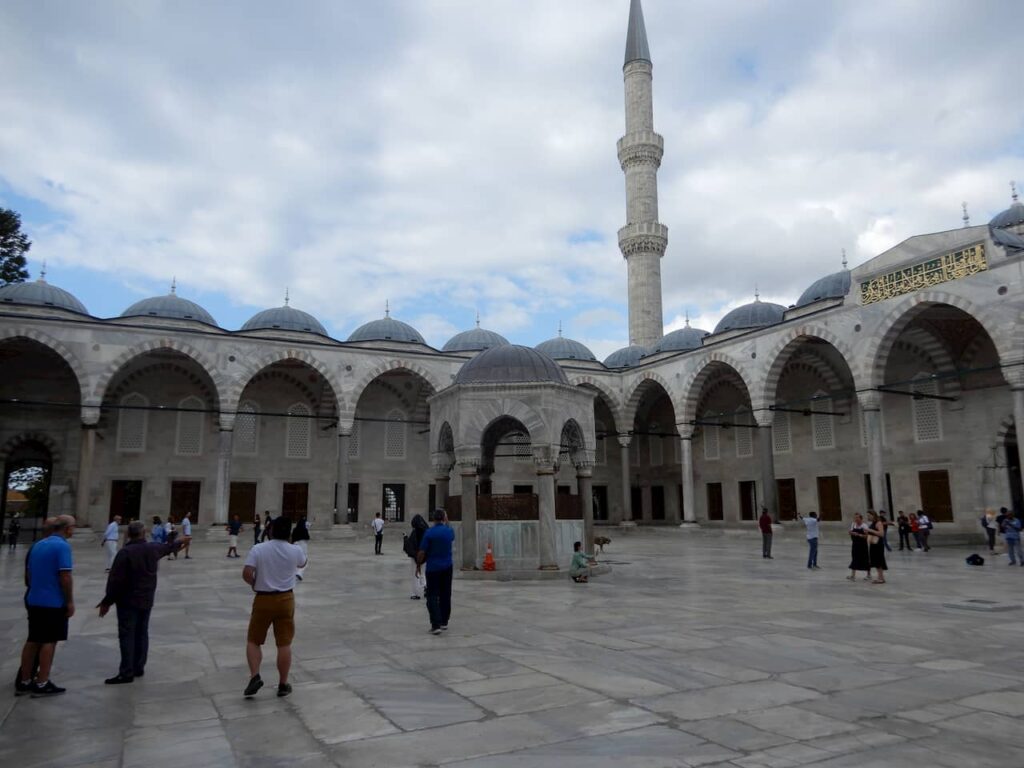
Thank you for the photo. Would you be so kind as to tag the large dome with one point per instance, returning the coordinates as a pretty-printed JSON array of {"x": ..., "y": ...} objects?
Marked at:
[
  {"x": 1012, "y": 216},
  {"x": 561, "y": 348},
  {"x": 474, "y": 340},
  {"x": 626, "y": 357},
  {"x": 757, "y": 314},
  {"x": 681, "y": 340},
  {"x": 171, "y": 306},
  {"x": 40, "y": 293},
  {"x": 510, "y": 364},
  {"x": 834, "y": 286},
  {"x": 387, "y": 329},
  {"x": 285, "y": 318}
]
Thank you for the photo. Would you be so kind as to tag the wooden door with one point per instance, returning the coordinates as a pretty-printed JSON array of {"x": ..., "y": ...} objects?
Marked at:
[
  {"x": 294, "y": 500},
  {"x": 786, "y": 490},
  {"x": 636, "y": 503},
  {"x": 185, "y": 498},
  {"x": 242, "y": 501},
  {"x": 830, "y": 506},
  {"x": 936, "y": 500},
  {"x": 353, "y": 503},
  {"x": 125, "y": 499},
  {"x": 657, "y": 502},
  {"x": 748, "y": 500},
  {"x": 715, "y": 509}
]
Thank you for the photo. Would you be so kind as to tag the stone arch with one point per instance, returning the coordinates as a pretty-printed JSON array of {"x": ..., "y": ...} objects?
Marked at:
[
  {"x": 686, "y": 411},
  {"x": 606, "y": 395},
  {"x": 876, "y": 354},
  {"x": 445, "y": 439},
  {"x": 1003, "y": 433},
  {"x": 573, "y": 444},
  {"x": 220, "y": 384},
  {"x": 472, "y": 430},
  {"x": 42, "y": 438},
  {"x": 633, "y": 399},
  {"x": 787, "y": 345},
  {"x": 55, "y": 346},
  {"x": 239, "y": 383},
  {"x": 396, "y": 364}
]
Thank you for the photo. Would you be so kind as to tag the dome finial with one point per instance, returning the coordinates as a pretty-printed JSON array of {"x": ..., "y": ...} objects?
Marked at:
[
  {"x": 845, "y": 263},
  {"x": 687, "y": 318},
  {"x": 286, "y": 295},
  {"x": 174, "y": 285},
  {"x": 559, "y": 329},
  {"x": 387, "y": 308},
  {"x": 478, "y": 318},
  {"x": 42, "y": 272},
  {"x": 966, "y": 217},
  {"x": 1013, "y": 190},
  {"x": 757, "y": 293}
]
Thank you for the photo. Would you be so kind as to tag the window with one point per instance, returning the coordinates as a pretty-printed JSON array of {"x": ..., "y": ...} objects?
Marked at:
[
  {"x": 927, "y": 417},
  {"x": 710, "y": 438},
  {"x": 132, "y": 420},
  {"x": 744, "y": 435},
  {"x": 822, "y": 424},
  {"x": 394, "y": 435},
  {"x": 781, "y": 440},
  {"x": 298, "y": 432},
  {"x": 189, "y": 433},
  {"x": 521, "y": 447},
  {"x": 247, "y": 425},
  {"x": 353, "y": 440}
]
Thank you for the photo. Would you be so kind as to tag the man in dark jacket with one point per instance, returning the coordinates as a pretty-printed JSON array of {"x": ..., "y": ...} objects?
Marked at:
[
  {"x": 765, "y": 524},
  {"x": 131, "y": 586}
]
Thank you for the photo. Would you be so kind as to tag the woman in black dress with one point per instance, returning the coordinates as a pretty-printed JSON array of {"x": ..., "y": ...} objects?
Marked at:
[
  {"x": 257, "y": 529},
  {"x": 859, "y": 548},
  {"x": 876, "y": 547}
]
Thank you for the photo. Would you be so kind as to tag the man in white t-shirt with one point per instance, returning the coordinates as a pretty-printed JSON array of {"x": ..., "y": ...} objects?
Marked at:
[
  {"x": 110, "y": 538},
  {"x": 811, "y": 521},
  {"x": 186, "y": 534},
  {"x": 378, "y": 533},
  {"x": 270, "y": 569}
]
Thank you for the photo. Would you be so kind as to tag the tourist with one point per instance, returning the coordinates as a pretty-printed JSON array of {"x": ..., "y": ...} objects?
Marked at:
[
  {"x": 378, "y": 533},
  {"x": 300, "y": 538},
  {"x": 915, "y": 530},
  {"x": 1010, "y": 528},
  {"x": 580, "y": 567},
  {"x": 270, "y": 570},
  {"x": 234, "y": 527},
  {"x": 859, "y": 558},
  {"x": 257, "y": 529},
  {"x": 110, "y": 537},
  {"x": 811, "y": 523},
  {"x": 924, "y": 529},
  {"x": 876, "y": 547},
  {"x": 988, "y": 523},
  {"x": 268, "y": 520},
  {"x": 158, "y": 532},
  {"x": 131, "y": 586},
  {"x": 436, "y": 555},
  {"x": 411, "y": 546},
  {"x": 12, "y": 532},
  {"x": 903, "y": 528},
  {"x": 186, "y": 533},
  {"x": 765, "y": 524},
  {"x": 50, "y": 603}
]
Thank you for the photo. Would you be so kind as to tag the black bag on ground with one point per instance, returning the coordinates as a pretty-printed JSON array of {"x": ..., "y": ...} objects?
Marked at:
[{"x": 975, "y": 559}]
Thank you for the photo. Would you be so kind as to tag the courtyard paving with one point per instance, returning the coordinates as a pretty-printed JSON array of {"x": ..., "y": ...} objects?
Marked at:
[{"x": 694, "y": 652}]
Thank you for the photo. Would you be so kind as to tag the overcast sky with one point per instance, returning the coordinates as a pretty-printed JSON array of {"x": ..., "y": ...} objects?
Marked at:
[{"x": 453, "y": 156}]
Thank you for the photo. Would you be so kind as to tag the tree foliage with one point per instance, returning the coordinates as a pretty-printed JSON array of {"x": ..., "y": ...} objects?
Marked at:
[{"x": 14, "y": 244}]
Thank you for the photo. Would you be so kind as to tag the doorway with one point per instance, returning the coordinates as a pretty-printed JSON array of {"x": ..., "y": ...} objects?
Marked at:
[
  {"x": 393, "y": 502},
  {"x": 1013, "y": 468},
  {"x": 600, "y": 502},
  {"x": 184, "y": 498},
  {"x": 748, "y": 500},
  {"x": 125, "y": 499},
  {"x": 936, "y": 500},
  {"x": 786, "y": 490},
  {"x": 636, "y": 503},
  {"x": 715, "y": 509},
  {"x": 26, "y": 488},
  {"x": 657, "y": 502},
  {"x": 295, "y": 501},
  {"x": 242, "y": 501},
  {"x": 830, "y": 505}
]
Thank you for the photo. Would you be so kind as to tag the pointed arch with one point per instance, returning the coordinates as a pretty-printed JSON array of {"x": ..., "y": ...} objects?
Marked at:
[
  {"x": 705, "y": 367},
  {"x": 606, "y": 394},
  {"x": 790, "y": 342},
  {"x": 348, "y": 410},
  {"x": 57, "y": 347},
  {"x": 632, "y": 400},
  {"x": 240, "y": 382},
  {"x": 220, "y": 383},
  {"x": 13, "y": 442}
]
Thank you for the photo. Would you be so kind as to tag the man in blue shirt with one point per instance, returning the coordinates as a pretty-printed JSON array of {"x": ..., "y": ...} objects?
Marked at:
[
  {"x": 50, "y": 602},
  {"x": 435, "y": 556}
]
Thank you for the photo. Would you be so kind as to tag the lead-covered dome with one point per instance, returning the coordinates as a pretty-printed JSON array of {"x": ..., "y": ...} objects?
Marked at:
[
  {"x": 387, "y": 329},
  {"x": 511, "y": 364},
  {"x": 626, "y": 357},
  {"x": 41, "y": 294},
  {"x": 757, "y": 314},
  {"x": 285, "y": 318},
  {"x": 681, "y": 340},
  {"x": 474, "y": 340},
  {"x": 561, "y": 348},
  {"x": 834, "y": 286},
  {"x": 171, "y": 306},
  {"x": 1012, "y": 216}
]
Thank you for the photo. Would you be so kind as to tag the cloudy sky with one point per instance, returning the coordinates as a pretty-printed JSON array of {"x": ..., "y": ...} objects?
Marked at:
[{"x": 452, "y": 156}]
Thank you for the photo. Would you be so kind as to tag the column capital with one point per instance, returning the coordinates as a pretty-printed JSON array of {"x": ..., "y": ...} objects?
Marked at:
[
  {"x": 226, "y": 421},
  {"x": 584, "y": 459},
  {"x": 1014, "y": 375},
  {"x": 442, "y": 463},
  {"x": 686, "y": 431},
  {"x": 545, "y": 458},
  {"x": 345, "y": 430},
  {"x": 624, "y": 440},
  {"x": 870, "y": 400},
  {"x": 90, "y": 415},
  {"x": 468, "y": 461}
]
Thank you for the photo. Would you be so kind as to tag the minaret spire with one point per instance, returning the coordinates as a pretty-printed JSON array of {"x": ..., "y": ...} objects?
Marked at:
[{"x": 644, "y": 239}]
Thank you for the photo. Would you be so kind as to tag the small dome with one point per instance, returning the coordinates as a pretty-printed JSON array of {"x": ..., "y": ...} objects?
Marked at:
[
  {"x": 626, "y": 357},
  {"x": 387, "y": 329},
  {"x": 561, "y": 348},
  {"x": 1007, "y": 239},
  {"x": 285, "y": 318},
  {"x": 757, "y": 314},
  {"x": 170, "y": 306},
  {"x": 474, "y": 340},
  {"x": 681, "y": 340},
  {"x": 834, "y": 286},
  {"x": 1012, "y": 216},
  {"x": 510, "y": 364},
  {"x": 41, "y": 293}
]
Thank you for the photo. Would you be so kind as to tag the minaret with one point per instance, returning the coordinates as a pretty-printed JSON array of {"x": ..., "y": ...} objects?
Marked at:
[{"x": 643, "y": 240}]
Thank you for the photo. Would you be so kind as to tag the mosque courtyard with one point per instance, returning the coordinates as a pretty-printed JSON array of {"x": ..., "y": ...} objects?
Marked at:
[{"x": 694, "y": 651}]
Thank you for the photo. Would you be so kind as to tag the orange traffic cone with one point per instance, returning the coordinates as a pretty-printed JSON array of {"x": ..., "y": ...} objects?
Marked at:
[{"x": 489, "y": 558}]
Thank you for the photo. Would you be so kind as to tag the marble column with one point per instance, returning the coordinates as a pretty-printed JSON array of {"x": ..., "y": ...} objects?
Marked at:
[
  {"x": 766, "y": 449},
  {"x": 686, "y": 459},
  {"x": 467, "y": 471},
  {"x": 341, "y": 477},
  {"x": 442, "y": 465},
  {"x": 546, "y": 535},
  {"x": 585, "y": 489},
  {"x": 871, "y": 404},
  {"x": 627, "y": 498},
  {"x": 223, "y": 497},
  {"x": 86, "y": 456}
]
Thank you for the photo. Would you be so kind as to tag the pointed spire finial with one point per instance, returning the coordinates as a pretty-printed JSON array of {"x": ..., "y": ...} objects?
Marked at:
[
  {"x": 757, "y": 293},
  {"x": 174, "y": 285},
  {"x": 478, "y": 318},
  {"x": 687, "y": 318},
  {"x": 42, "y": 272},
  {"x": 1013, "y": 190},
  {"x": 845, "y": 263},
  {"x": 636, "y": 35},
  {"x": 966, "y": 217},
  {"x": 387, "y": 308},
  {"x": 286, "y": 296},
  {"x": 559, "y": 329}
]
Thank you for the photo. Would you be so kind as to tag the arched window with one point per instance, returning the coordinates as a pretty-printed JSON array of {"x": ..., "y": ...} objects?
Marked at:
[
  {"x": 601, "y": 449},
  {"x": 298, "y": 432},
  {"x": 744, "y": 435},
  {"x": 353, "y": 440},
  {"x": 781, "y": 440},
  {"x": 822, "y": 423},
  {"x": 132, "y": 421},
  {"x": 247, "y": 426},
  {"x": 394, "y": 435},
  {"x": 710, "y": 438},
  {"x": 926, "y": 412},
  {"x": 188, "y": 436}
]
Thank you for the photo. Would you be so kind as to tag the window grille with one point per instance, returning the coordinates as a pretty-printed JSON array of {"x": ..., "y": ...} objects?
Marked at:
[
  {"x": 132, "y": 423},
  {"x": 521, "y": 447},
  {"x": 927, "y": 415},
  {"x": 744, "y": 436},
  {"x": 189, "y": 432},
  {"x": 394, "y": 435},
  {"x": 782, "y": 441},
  {"x": 246, "y": 429},
  {"x": 353, "y": 440},
  {"x": 298, "y": 431},
  {"x": 710, "y": 439},
  {"x": 823, "y": 426}
]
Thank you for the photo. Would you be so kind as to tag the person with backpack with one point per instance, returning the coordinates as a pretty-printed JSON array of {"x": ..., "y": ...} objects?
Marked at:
[
  {"x": 1010, "y": 528},
  {"x": 436, "y": 556},
  {"x": 411, "y": 545}
]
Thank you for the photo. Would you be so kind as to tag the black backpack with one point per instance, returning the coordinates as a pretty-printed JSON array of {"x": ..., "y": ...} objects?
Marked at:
[
  {"x": 975, "y": 559},
  {"x": 409, "y": 545}
]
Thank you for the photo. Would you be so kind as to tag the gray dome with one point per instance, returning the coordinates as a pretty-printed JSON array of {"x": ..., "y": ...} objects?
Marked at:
[
  {"x": 681, "y": 340},
  {"x": 626, "y": 357},
  {"x": 560, "y": 348},
  {"x": 509, "y": 364},
  {"x": 41, "y": 293},
  {"x": 1011, "y": 217},
  {"x": 757, "y": 314},
  {"x": 285, "y": 318},
  {"x": 171, "y": 306},
  {"x": 474, "y": 340},
  {"x": 387, "y": 329},
  {"x": 834, "y": 286}
]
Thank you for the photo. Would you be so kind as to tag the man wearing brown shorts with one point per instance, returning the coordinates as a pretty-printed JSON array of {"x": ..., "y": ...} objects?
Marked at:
[{"x": 270, "y": 570}]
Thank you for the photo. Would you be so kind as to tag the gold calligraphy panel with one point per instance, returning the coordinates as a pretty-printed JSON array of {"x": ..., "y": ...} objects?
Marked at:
[{"x": 942, "y": 269}]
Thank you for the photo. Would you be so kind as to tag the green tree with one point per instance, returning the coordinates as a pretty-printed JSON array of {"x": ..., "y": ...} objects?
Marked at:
[{"x": 14, "y": 244}]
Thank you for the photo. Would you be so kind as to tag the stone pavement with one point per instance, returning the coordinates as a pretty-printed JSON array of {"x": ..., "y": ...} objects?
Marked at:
[{"x": 695, "y": 651}]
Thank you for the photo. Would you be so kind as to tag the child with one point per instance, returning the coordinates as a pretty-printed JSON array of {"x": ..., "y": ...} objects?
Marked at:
[{"x": 579, "y": 569}]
